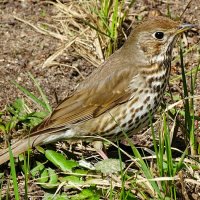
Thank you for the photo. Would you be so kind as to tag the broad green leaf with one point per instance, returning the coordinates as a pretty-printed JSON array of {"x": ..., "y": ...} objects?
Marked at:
[
  {"x": 53, "y": 179},
  {"x": 60, "y": 161},
  {"x": 86, "y": 194}
]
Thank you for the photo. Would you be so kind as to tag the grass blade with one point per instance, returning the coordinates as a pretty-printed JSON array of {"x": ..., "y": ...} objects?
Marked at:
[
  {"x": 44, "y": 98},
  {"x": 31, "y": 96},
  {"x": 13, "y": 174}
]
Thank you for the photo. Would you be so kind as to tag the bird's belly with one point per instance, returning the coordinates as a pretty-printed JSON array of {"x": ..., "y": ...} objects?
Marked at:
[{"x": 136, "y": 114}]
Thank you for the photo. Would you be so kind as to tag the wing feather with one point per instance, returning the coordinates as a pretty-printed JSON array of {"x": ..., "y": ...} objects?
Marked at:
[{"x": 91, "y": 100}]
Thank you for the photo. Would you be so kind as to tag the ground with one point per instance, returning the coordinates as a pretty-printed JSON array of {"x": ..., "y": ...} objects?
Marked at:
[{"x": 23, "y": 49}]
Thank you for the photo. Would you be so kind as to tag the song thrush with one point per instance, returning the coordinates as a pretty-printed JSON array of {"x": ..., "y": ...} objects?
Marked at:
[{"x": 119, "y": 95}]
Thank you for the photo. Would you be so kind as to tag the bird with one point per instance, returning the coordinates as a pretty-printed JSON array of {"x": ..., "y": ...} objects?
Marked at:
[{"x": 119, "y": 95}]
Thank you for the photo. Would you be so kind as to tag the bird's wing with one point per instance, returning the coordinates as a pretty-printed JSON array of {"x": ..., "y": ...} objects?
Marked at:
[{"x": 91, "y": 101}]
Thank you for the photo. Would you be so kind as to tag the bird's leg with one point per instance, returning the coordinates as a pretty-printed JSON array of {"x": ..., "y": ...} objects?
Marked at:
[{"x": 98, "y": 146}]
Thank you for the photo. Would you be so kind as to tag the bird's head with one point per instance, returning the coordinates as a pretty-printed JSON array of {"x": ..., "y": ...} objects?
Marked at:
[{"x": 154, "y": 39}]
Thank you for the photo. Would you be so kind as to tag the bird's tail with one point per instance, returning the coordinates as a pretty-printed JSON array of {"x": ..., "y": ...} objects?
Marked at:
[
  {"x": 35, "y": 139},
  {"x": 21, "y": 146}
]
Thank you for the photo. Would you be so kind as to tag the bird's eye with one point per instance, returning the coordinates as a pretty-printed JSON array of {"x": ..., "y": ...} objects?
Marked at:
[{"x": 158, "y": 35}]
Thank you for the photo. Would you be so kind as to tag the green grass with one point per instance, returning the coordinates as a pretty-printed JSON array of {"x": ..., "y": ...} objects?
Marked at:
[
  {"x": 111, "y": 15},
  {"x": 13, "y": 175}
]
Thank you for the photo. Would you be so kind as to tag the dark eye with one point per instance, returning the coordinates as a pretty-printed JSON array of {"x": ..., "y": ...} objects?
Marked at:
[{"x": 158, "y": 35}]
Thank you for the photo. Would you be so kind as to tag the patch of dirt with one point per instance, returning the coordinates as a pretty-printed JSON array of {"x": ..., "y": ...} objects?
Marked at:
[{"x": 24, "y": 50}]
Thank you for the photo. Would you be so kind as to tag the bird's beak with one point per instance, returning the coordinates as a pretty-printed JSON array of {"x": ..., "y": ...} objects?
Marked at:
[{"x": 185, "y": 27}]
